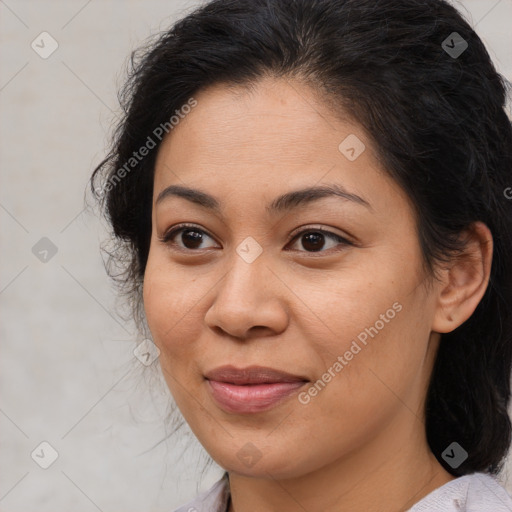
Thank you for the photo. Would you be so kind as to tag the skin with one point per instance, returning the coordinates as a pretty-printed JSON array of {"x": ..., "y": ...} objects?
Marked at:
[{"x": 359, "y": 444}]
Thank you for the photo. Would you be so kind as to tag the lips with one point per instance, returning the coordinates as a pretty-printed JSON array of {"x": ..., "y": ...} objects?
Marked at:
[
  {"x": 251, "y": 375},
  {"x": 251, "y": 390}
]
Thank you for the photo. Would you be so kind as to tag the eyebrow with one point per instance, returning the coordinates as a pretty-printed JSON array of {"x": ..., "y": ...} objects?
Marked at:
[{"x": 285, "y": 202}]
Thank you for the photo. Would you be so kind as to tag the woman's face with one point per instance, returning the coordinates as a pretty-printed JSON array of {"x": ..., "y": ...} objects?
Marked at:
[{"x": 254, "y": 282}]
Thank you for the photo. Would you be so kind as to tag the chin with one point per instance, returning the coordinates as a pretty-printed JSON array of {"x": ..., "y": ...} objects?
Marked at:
[{"x": 261, "y": 464}]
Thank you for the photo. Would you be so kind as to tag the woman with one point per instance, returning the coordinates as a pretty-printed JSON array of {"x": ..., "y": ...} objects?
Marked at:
[{"x": 310, "y": 202}]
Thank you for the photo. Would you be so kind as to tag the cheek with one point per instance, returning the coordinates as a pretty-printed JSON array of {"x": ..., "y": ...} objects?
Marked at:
[
  {"x": 373, "y": 333},
  {"x": 172, "y": 303},
  {"x": 345, "y": 304}
]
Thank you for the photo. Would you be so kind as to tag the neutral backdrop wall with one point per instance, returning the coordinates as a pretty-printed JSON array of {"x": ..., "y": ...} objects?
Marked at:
[{"x": 68, "y": 375}]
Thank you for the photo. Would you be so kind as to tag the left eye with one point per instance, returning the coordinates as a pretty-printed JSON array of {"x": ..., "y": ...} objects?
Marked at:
[{"x": 312, "y": 240}]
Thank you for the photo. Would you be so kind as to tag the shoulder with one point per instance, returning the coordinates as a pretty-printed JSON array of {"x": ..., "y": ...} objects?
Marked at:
[
  {"x": 478, "y": 492},
  {"x": 214, "y": 499}
]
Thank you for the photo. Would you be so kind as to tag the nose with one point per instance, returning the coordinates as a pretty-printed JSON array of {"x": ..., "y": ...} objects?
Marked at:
[{"x": 249, "y": 301}]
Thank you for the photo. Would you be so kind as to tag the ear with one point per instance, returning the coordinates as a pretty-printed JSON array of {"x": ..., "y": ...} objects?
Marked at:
[{"x": 464, "y": 281}]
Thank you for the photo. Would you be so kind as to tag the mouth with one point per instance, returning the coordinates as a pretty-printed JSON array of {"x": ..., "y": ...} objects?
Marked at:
[
  {"x": 252, "y": 375},
  {"x": 252, "y": 389}
]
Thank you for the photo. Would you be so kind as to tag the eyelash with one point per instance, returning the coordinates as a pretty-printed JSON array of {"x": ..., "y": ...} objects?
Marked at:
[{"x": 167, "y": 237}]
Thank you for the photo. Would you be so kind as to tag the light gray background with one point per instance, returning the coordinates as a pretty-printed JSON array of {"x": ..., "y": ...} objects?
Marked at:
[{"x": 68, "y": 375}]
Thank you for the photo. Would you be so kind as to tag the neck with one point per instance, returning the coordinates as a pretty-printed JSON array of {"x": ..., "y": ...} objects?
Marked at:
[{"x": 389, "y": 474}]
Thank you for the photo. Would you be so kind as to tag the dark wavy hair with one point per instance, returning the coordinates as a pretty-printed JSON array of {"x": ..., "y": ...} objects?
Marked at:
[{"x": 439, "y": 124}]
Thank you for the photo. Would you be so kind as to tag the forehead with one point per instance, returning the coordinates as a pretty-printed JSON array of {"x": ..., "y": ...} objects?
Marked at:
[
  {"x": 259, "y": 141},
  {"x": 272, "y": 122}
]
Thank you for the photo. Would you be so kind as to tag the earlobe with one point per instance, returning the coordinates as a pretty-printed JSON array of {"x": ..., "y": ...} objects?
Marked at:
[{"x": 464, "y": 280}]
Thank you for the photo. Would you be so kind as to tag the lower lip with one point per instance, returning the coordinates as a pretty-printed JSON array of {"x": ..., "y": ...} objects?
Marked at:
[{"x": 251, "y": 398}]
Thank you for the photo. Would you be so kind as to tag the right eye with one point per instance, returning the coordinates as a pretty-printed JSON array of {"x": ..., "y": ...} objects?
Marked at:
[{"x": 190, "y": 236}]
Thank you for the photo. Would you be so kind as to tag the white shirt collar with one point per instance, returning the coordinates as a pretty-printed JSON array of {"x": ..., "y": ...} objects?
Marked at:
[{"x": 477, "y": 492}]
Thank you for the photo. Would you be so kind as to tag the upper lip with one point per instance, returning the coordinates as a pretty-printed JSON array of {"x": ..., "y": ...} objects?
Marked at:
[{"x": 251, "y": 375}]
